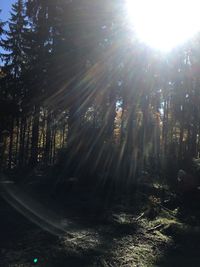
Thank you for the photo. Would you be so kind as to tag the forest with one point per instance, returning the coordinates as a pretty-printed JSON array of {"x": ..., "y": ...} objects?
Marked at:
[{"x": 99, "y": 132}]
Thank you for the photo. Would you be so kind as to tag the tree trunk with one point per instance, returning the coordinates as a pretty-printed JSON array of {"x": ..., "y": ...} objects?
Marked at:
[
  {"x": 10, "y": 155},
  {"x": 22, "y": 140},
  {"x": 35, "y": 137}
]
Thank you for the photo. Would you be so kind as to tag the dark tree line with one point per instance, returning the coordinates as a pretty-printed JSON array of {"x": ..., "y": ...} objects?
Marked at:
[{"x": 76, "y": 84}]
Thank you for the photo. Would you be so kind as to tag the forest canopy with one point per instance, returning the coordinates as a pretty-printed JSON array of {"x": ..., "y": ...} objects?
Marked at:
[{"x": 78, "y": 86}]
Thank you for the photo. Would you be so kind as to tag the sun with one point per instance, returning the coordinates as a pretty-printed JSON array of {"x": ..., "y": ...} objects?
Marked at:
[{"x": 164, "y": 24}]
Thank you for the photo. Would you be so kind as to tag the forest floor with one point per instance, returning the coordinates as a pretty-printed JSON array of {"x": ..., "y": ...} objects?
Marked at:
[{"x": 38, "y": 230}]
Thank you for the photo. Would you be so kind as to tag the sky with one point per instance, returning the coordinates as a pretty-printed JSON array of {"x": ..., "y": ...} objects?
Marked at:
[{"x": 5, "y": 6}]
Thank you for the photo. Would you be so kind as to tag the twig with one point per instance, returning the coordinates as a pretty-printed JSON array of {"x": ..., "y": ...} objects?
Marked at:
[
  {"x": 139, "y": 217},
  {"x": 164, "y": 208},
  {"x": 157, "y": 227}
]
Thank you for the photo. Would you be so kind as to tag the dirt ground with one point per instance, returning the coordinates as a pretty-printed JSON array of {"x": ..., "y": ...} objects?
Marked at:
[{"x": 37, "y": 230}]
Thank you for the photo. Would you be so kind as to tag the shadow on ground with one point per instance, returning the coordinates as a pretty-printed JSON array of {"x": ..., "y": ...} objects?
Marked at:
[
  {"x": 92, "y": 244},
  {"x": 185, "y": 245}
]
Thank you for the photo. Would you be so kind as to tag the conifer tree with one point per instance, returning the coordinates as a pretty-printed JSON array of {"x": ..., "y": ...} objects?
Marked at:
[
  {"x": 2, "y": 24},
  {"x": 13, "y": 42},
  {"x": 14, "y": 61}
]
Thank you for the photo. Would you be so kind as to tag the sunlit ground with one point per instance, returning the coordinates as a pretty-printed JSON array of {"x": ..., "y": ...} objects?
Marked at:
[{"x": 162, "y": 24}]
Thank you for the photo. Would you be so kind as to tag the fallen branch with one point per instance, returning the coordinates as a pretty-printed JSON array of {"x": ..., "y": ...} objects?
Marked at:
[
  {"x": 139, "y": 217},
  {"x": 157, "y": 227}
]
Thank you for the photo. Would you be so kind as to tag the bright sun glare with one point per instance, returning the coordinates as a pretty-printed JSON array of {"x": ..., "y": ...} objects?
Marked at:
[{"x": 164, "y": 24}]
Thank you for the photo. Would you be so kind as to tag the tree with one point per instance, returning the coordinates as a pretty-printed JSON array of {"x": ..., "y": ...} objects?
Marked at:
[
  {"x": 2, "y": 24},
  {"x": 13, "y": 42},
  {"x": 14, "y": 61}
]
